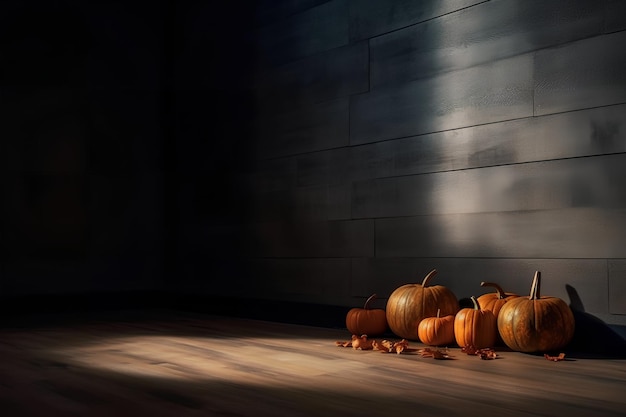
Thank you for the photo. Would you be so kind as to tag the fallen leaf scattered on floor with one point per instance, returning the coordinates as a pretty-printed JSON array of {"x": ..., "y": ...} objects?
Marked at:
[
  {"x": 488, "y": 354},
  {"x": 561, "y": 357},
  {"x": 379, "y": 346},
  {"x": 434, "y": 353},
  {"x": 484, "y": 353},
  {"x": 361, "y": 343},
  {"x": 401, "y": 346},
  {"x": 357, "y": 342},
  {"x": 385, "y": 346}
]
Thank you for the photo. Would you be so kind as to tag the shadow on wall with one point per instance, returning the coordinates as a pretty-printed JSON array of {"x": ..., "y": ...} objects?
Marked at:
[
  {"x": 593, "y": 336},
  {"x": 43, "y": 45},
  {"x": 45, "y": 196}
]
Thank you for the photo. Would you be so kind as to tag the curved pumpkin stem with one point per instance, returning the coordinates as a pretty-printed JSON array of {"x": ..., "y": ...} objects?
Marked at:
[
  {"x": 368, "y": 301},
  {"x": 499, "y": 290},
  {"x": 535, "y": 287},
  {"x": 438, "y": 312},
  {"x": 475, "y": 301},
  {"x": 428, "y": 277}
]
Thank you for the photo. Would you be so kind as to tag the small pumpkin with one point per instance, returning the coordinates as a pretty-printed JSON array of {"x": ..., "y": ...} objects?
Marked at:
[
  {"x": 366, "y": 320},
  {"x": 536, "y": 323},
  {"x": 409, "y": 304},
  {"x": 494, "y": 302},
  {"x": 437, "y": 331},
  {"x": 475, "y": 327}
]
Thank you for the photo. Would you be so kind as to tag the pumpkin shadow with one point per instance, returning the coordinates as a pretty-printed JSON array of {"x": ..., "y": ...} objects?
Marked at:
[
  {"x": 466, "y": 302},
  {"x": 593, "y": 338}
]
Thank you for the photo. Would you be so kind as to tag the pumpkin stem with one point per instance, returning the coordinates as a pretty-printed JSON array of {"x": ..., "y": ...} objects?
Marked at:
[
  {"x": 475, "y": 301},
  {"x": 499, "y": 290},
  {"x": 428, "y": 277},
  {"x": 438, "y": 312},
  {"x": 367, "y": 302},
  {"x": 535, "y": 287}
]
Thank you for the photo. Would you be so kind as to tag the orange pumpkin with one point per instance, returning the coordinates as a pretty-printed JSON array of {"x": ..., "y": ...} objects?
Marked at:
[
  {"x": 367, "y": 321},
  {"x": 494, "y": 302},
  {"x": 537, "y": 323},
  {"x": 437, "y": 331},
  {"x": 475, "y": 327},
  {"x": 409, "y": 304}
]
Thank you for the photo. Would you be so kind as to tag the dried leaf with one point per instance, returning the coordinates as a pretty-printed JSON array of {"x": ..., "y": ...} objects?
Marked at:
[
  {"x": 340, "y": 343},
  {"x": 488, "y": 354},
  {"x": 561, "y": 357},
  {"x": 484, "y": 353},
  {"x": 440, "y": 355},
  {"x": 388, "y": 345},
  {"x": 361, "y": 343},
  {"x": 378, "y": 346},
  {"x": 425, "y": 352},
  {"x": 402, "y": 342},
  {"x": 401, "y": 346},
  {"x": 470, "y": 350},
  {"x": 433, "y": 353},
  {"x": 385, "y": 346}
]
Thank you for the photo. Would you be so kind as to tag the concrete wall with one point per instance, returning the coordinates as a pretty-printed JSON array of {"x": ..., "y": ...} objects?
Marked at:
[{"x": 486, "y": 139}]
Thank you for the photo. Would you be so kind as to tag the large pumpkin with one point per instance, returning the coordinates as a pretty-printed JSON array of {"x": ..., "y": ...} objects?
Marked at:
[
  {"x": 437, "y": 331},
  {"x": 372, "y": 322},
  {"x": 537, "y": 323},
  {"x": 409, "y": 304},
  {"x": 475, "y": 327},
  {"x": 494, "y": 302}
]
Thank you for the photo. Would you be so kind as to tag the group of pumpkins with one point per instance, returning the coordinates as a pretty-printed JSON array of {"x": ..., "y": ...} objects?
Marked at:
[{"x": 432, "y": 315}]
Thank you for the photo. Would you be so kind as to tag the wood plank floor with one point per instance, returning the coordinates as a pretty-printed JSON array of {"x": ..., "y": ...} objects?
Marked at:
[{"x": 195, "y": 365}]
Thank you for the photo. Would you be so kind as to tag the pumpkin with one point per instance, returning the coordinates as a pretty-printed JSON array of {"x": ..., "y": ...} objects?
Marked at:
[
  {"x": 494, "y": 302},
  {"x": 475, "y": 327},
  {"x": 409, "y": 304},
  {"x": 371, "y": 322},
  {"x": 437, "y": 331},
  {"x": 537, "y": 323}
]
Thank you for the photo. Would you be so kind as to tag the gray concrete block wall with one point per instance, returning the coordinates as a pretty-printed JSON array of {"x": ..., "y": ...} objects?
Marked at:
[{"x": 487, "y": 142}]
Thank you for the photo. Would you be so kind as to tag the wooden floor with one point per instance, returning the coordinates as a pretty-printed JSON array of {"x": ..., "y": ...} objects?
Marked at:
[{"x": 194, "y": 365}]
